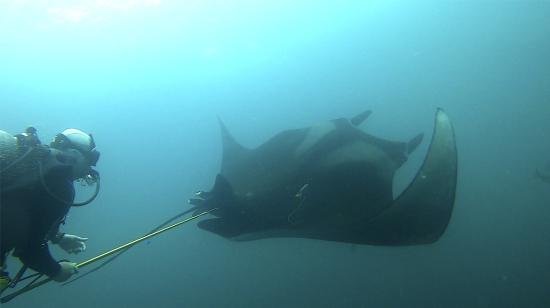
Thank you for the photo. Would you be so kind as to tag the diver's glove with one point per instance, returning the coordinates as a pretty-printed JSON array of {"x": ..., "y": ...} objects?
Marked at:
[
  {"x": 66, "y": 271},
  {"x": 72, "y": 243}
]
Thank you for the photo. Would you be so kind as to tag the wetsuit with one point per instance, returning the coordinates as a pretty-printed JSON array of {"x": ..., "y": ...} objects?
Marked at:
[{"x": 31, "y": 215}]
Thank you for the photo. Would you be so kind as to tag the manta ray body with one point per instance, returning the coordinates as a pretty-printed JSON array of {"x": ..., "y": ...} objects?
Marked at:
[{"x": 332, "y": 181}]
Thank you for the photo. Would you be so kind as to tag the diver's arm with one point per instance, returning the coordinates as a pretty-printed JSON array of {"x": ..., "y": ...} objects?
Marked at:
[
  {"x": 38, "y": 258},
  {"x": 70, "y": 243},
  {"x": 36, "y": 253},
  {"x": 45, "y": 217},
  {"x": 57, "y": 237}
]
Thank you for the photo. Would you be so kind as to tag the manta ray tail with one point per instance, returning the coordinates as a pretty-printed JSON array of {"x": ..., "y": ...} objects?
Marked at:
[{"x": 360, "y": 118}]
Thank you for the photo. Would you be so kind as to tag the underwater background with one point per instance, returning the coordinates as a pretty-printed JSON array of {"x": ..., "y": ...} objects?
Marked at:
[{"x": 150, "y": 78}]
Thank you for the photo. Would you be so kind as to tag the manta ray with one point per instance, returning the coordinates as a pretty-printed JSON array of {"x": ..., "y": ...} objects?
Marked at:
[{"x": 332, "y": 182}]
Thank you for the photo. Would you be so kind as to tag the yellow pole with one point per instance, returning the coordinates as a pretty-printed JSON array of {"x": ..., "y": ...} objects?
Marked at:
[
  {"x": 141, "y": 239},
  {"x": 11, "y": 296}
]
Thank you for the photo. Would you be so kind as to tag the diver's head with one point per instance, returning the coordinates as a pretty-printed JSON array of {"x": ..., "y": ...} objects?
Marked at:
[{"x": 76, "y": 148}]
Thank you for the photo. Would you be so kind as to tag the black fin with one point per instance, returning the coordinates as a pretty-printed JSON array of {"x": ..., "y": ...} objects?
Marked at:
[
  {"x": 221, "y": 227},
  {"x": 222, "y": 191},
  {"x": 195, "y": 201},
  {"x": 230, "y": 145},
  {"x": 221, "y": 187},
  {"x": 414, "y": 143},
  {"x": 221, "y": 195},
  {"x": 422, "y": 212},
  {"x": 360, "y": 118}
]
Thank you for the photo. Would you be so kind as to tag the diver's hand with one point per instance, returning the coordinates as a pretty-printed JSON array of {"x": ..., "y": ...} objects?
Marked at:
[
  {"x": 72, "y": 243},
  {"x": 66, "y": 271}
]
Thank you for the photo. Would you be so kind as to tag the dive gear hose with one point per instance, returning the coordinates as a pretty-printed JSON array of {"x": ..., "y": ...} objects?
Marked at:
[{"x": 94, "y": 174}]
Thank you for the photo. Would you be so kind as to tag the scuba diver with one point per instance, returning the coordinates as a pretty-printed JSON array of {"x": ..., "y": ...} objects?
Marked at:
[{"x": 36, "y": 193}]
